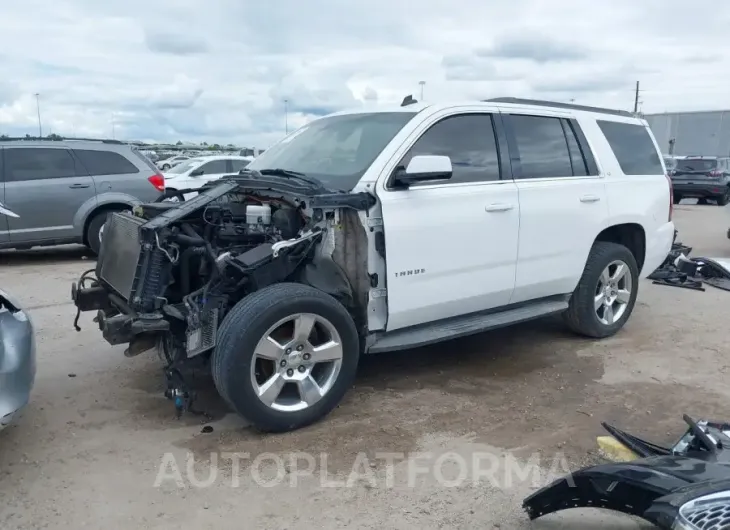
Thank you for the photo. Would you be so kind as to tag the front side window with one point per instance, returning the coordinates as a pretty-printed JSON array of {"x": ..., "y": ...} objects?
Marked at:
[
  {"x": 542, "y": 147},
  {"x": 238, "y": 165},
  {"x": 336, "y": 150},
  {"x": 22, "y": 163},
  {"x": 633, "y": 146},
  {"x": 468, "y": 140}
]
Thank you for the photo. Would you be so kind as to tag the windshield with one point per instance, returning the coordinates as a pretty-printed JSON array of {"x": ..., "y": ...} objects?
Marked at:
[
  {"x": 336, "y": 150},
  {"x": 184, "y": 167},
  {"x": 696, "y": 164}
]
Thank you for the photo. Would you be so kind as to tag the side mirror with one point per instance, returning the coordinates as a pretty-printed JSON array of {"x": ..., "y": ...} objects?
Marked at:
[
  {"x": 196, "y": 173},
  {"x": 424, "y": 168}
]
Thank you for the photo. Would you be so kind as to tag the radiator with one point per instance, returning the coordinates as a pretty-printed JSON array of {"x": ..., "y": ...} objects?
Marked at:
[{"x": 120, "y": 253}]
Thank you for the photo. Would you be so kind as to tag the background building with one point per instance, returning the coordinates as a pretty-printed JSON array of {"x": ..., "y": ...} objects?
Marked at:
[{"x": 694, "y": 133}]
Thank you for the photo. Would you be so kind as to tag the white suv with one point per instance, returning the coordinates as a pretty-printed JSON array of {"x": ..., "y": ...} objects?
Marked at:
[
  {"x": 375, "y": 231},
  {"x": 196, "y": 172}
]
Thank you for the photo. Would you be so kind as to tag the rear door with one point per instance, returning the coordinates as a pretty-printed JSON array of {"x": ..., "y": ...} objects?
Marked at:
[
  {"x": 45, "y": 186},
  {"x": 562, "y": 202},
  {"x": 115, "y": 173}
]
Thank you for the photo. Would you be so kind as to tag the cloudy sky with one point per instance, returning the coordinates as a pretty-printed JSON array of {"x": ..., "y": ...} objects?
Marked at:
[{"x": 220, "y": 70}]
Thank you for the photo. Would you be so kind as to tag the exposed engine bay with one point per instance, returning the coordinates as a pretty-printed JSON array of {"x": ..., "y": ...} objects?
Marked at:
[{"x": 168, "y": 272}]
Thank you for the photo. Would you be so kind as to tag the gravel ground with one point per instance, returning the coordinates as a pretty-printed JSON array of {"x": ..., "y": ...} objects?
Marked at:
[{"x": 448, "y": 436}]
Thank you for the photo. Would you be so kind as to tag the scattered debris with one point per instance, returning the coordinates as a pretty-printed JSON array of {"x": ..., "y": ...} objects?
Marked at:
[
  {"x": 72, "y": 375},
  {"x": 683, "y": 486},
  {"x": 690, "y": 273},
  {"x": 207, "y": 429}
]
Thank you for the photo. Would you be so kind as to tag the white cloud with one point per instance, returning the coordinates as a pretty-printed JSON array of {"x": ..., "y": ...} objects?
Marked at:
[{"x": 220, "y": 70}]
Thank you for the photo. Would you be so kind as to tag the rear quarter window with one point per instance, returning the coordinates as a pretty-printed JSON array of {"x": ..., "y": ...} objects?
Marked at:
[
  {"x": 633, "y": 146},
  {"x": 105, "y": 162}
]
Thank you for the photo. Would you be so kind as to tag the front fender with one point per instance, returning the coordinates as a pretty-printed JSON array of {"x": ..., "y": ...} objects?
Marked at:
[
  {"x": 100, "y": 200},
  {"x": 631, "y": 488}
]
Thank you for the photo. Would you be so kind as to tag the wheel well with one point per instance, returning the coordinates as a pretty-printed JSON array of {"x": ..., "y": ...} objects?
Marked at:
[
  {"x": 630, "y": 235},
  {"x": 110, "y": 207}
]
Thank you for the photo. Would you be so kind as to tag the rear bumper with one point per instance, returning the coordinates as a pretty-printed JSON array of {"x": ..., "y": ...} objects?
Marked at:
[
  {"x": 699, "y": 190},
  {"x": 658, "y": 245},
  {"x": 17, "y": 360}
]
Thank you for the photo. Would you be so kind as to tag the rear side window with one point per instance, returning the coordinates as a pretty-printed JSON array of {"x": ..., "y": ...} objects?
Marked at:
[
  {"x": 105, "y": 162},
  {"x": 23, "y": 163},
  {"x": 469, "y": 141},
  {"x": 542, "y": 147},
  {"x": 633, "y": 147},
  {"x": 145, "y": 159}
]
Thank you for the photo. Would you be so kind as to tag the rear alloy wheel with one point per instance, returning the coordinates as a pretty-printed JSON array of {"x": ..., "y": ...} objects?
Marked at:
[
  {"x": 606, "y": 293},
  {"x": 95, "y": 231},
  {"x": 286, "y": 356}
]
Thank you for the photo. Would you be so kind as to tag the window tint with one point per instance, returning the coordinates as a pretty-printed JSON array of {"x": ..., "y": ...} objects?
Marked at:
[
  {"x": 633, "y": 147},
  {"x": 238, "y": 165},
  {"x": 38, "y": 163},
  {"x": 542, "y": 147},
  {"x": 580, "y": 168},
  {"x": 105, "y": 162},
  {"x": 470, "y": 143},
  {"x": 214, "y": 167}
]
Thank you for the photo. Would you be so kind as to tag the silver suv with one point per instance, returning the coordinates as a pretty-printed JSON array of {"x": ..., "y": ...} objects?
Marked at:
[{"x": 63, "y": 190}]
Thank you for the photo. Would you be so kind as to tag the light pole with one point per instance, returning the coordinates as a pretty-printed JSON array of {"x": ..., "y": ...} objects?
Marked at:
[
  {"x": 422, "y": 83},
  {"x": 114, "y": 131},
  {"x": 286, "y": 116},
  {"x": 38, "y": 108}
]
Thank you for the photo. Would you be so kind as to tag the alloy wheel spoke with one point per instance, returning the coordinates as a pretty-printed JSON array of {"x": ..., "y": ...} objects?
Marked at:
[
  {"x": 309, "y": 390},
  {"x": 620, "y": 272},
  {"x": 605, "y": 277},
  {"x": 303, "y": 326},
  {"x": 599, "y": 300},
  {"x": 269, "y": 349},
  {"x": 329, "y": 351},
  {"x": 623, "y": 296},
  {"x": 270, "y": 390},
  {"x": 608, "y": 314}
]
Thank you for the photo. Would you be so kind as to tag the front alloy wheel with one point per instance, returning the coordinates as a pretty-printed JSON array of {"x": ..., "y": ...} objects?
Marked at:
[
  {"x": 297, "y": 362},
  {"x": 285, "y": 357}
]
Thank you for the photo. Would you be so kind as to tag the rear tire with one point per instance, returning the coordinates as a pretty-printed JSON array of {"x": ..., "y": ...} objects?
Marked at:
[
  {"x": 249, "y": 360},
  {"x": 587, "y": 314},
  {"x": 724, "y": 199}
]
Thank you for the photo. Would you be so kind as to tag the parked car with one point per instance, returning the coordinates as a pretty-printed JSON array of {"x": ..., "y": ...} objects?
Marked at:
[
  {"x": 375, "y": 231},
  {"x": 702, "y": 177},
  {"x": 196, "y": 172},
  {"x": 171, "y": 162},
  {"x": 62, "y": 191}
]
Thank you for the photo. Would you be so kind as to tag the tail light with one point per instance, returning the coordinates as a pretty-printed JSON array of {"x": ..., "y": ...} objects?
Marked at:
[
  {"x": 671, "y": 197},
  {"x": 158, "y": 181},
  {"x": 715, "y": 173}
]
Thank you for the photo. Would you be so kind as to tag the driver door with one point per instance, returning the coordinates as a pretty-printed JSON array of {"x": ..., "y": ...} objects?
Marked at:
[{"x": 451, "y": 246}]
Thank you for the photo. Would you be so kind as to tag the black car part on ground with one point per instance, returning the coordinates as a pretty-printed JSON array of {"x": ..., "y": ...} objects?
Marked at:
[
  {"x": 678, "y": 270},
  {"x": 168, "y": 273},
  {"x": 656, "y": 487}
]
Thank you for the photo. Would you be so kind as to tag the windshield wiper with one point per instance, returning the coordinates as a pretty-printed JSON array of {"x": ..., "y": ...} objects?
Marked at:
[{"x": 279, "y": 172}]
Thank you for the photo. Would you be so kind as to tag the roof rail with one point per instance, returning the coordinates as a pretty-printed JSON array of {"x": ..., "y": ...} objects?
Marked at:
[
  {"x": 57, "y": 139},
  {"x": 558, "y": 105}
]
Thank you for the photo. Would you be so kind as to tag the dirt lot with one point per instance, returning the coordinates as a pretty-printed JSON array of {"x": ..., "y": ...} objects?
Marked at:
[{"x": 90, "y": 447}]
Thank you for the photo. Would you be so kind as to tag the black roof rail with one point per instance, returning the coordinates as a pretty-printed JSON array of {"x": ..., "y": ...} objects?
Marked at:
[
  {"x": 558, "y": 105},
  {"x": 57, "y": 139}
]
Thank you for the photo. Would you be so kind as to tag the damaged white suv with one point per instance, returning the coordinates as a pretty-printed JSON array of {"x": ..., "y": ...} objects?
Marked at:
[{"x": 373, "y": 231}]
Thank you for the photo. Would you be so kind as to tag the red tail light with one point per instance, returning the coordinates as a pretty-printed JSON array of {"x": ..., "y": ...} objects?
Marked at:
[
  {"x": 671, "y": 197},
  {"x": 715, "y": 173},
  {"x": 158, "y": 181}
]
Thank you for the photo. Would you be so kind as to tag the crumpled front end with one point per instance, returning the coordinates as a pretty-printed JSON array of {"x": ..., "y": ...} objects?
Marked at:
[{"x": 17, "y": 358}]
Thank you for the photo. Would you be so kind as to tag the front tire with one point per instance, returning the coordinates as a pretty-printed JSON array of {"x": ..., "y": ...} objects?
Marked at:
[
  {"x": 606, "y": 293},
  {"x": 286, "y": 356}
]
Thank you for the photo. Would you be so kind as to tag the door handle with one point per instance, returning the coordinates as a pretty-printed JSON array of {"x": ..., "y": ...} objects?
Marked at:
[
  {"x": 590, "y": 198},
  {"x": 499, "y": 207},
  {"x": 78, "y": 186}
]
